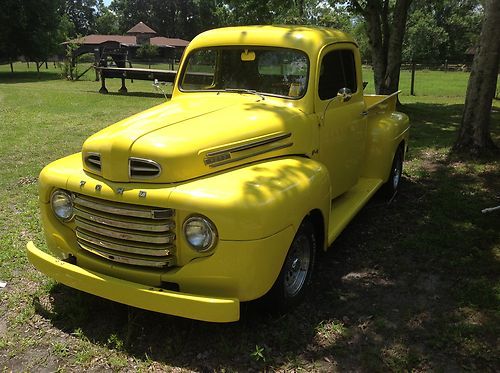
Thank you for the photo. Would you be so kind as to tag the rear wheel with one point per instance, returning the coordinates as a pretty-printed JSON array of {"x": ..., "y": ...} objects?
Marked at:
[
  {"x": 295, "y": 276},
  {"x": 392, "y": 185}
]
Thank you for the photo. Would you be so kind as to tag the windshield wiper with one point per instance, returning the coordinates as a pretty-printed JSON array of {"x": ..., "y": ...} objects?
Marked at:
[{"x": 244, "y": 90}]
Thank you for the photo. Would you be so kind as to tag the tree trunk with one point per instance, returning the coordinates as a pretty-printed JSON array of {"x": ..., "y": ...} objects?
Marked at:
[
  {"x": 390, "y": 84},
  {"x": 474, "y": 133},
  {"x": 385, "y": 39}
]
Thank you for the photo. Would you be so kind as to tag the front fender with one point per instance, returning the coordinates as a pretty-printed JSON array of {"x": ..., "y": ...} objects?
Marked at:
[{"x": 257, "y": 200}]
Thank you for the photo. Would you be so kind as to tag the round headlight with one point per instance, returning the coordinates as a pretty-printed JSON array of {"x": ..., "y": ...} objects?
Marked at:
[
  {"x": 62, "y": 205},
  {"x": 200, "y": 233}
]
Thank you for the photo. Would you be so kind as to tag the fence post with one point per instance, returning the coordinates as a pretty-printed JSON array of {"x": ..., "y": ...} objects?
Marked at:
[{"x": 412, "y": 87}]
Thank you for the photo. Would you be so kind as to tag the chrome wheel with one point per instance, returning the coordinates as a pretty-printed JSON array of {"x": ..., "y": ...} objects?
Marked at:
[
  {"x": 396, "y": 172},
  {"x": 295, "y": 275},
  {"x": 391, "y": 186},
  {"x": 297, "y": 265}
]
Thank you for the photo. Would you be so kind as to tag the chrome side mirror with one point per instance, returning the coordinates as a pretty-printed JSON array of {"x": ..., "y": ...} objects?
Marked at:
[{"x": 344, "y": 94}]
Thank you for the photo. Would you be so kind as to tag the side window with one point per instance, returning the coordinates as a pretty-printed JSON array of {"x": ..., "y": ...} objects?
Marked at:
[{"x": 338, "y": 70}]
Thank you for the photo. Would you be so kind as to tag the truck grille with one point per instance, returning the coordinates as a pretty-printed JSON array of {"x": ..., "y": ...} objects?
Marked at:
[{"x": 124, "y": 233}]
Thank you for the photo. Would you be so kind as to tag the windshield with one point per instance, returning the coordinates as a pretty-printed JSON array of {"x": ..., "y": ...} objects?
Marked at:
[{"x": 268, "y": 71}]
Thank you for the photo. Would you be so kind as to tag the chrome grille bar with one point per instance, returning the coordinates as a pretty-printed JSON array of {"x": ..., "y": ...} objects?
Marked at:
[
  {"x": 105, "y": 242},
  {"x": 121, "y": 208},
  {"x": 112, "y": 221},
  {"x": 119, "y": 257},
  {"x": 125, "y": 233}
]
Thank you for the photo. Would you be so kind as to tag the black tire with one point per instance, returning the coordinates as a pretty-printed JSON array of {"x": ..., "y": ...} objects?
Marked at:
[
  {"x": 392, "y": 185},
  {"x": 295, "y": 276}
]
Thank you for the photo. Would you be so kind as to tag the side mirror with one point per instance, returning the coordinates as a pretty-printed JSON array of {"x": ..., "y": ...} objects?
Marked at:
[{"x": 344, "y": 94}]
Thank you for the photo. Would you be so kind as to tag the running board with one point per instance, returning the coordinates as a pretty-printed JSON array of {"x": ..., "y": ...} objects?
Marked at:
[{"x": 346, "y": 206}]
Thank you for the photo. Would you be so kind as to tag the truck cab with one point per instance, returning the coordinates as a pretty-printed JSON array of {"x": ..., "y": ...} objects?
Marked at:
[{"x": 225, "y": 193}]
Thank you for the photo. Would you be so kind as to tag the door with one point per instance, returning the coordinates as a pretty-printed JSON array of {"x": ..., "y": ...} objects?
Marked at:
[{"x": 343, "y": 122}]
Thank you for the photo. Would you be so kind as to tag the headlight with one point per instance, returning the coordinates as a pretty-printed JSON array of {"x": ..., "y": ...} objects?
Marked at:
[
  {"x": 62, "y": 205},
  {"x": 200, "y": 233}
]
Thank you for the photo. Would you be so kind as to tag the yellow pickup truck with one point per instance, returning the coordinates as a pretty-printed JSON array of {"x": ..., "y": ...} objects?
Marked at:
[{"x": 225, "y": 193}]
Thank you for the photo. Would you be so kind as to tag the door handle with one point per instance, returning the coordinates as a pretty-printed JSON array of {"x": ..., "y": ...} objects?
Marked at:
[{"x": 364, "y": 113}]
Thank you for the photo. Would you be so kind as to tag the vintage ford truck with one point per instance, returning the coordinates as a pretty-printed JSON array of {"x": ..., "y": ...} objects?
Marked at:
[{"x": 225, "y": 193}]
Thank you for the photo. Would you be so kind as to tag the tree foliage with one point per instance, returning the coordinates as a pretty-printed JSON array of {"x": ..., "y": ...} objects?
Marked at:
[
  {"x": 30, "y": 28},
  {"x": 442, "y": 30},
  {"x": 82, "y": 13},
  {"x": 172, "y": 18}
]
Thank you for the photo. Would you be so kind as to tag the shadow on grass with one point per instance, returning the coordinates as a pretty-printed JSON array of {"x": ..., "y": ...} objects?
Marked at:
[
  {"x": 411, "y": 285},
  {"x": 134, "y": 94},
  {"x": 28, "y": 76},
  {"x": 436, "y": 125}
]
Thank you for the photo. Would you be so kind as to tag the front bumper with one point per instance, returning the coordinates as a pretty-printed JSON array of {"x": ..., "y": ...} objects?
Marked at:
[{"x": 197, "y": 307}]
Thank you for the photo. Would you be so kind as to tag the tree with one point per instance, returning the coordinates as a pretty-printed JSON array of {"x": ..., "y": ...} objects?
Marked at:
[
  {"x": 441, "y": 30},
  {"x": 474, "y": 134},
  {"x": 106, "y": 22},
  {"x": 29, "y": 28},
  {"x": 385, "y": 22},
  {"x": 172, "y": 18},
  {"x": 83, "y": 14},
  {"x": 425, "y": 39}
]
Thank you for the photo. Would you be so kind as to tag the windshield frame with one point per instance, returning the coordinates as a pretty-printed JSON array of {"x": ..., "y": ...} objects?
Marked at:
[{"x": 239, "y": 47}]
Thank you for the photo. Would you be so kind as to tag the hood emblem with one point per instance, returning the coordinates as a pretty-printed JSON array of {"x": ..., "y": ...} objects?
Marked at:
[
  {"x": 142, "y": 194},
  {"x": 120, "y": 190},
  {"x": 266, "y": 145},
  {"x": 98, "y": 188}
]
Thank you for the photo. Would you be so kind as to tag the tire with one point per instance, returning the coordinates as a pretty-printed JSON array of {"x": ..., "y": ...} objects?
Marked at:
[
  {"x": 295, "y": 276},
  {"x": 390, "y": 188}
]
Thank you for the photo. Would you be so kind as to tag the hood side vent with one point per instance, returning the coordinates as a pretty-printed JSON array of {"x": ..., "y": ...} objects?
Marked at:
[
  {"x": 140, "y": 168},
  {"x": 93, "y": 161}
]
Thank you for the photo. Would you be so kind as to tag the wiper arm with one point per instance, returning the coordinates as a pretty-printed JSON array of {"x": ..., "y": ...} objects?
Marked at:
[{"x": 244, "y": 90}]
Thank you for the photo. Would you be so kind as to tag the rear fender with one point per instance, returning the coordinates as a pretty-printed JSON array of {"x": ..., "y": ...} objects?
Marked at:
[{"x": 385, "y": 134}]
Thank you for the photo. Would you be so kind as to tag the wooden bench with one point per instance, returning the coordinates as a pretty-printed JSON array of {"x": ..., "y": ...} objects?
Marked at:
[{"x": 133, "y": 73}]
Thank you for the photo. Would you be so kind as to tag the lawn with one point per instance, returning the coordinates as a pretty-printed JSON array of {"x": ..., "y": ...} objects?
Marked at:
[{"x": 410, "y": 285}]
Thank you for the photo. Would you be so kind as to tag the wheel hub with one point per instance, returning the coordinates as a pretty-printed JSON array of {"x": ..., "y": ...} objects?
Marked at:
[{"x": 297, "y": 266}]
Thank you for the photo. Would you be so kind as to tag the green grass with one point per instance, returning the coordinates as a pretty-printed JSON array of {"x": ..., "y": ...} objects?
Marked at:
[{"x": 408, "y": 286}]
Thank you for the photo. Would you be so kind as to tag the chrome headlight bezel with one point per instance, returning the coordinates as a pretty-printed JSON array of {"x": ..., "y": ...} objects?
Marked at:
[
  {"x": 197, "y": 222},
  {"x": 65, "y": 200}
]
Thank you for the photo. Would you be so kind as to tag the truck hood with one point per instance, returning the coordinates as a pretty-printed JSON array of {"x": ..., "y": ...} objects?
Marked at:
[{"x": 194, "y": 136}]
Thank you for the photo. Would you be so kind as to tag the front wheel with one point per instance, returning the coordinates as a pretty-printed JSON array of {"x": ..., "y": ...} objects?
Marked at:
[
  {"x": 295, "y": 276},
  {"x": 391, "y": 186}
]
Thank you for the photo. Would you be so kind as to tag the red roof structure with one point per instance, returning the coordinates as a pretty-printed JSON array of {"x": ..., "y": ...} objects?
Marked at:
[
  {"x": 138, "y": 35},
  {"x": 122, "y": 49},
  {"x": 141, "y": 28},
  {"x": 129, "y": 40}
]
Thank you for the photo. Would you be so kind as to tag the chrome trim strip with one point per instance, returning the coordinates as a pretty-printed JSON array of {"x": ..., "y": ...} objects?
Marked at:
[
  {"x": 161, "y": 251},
  {"x": 263, "y": 151},
  {"x": 93, "y": 164},
  {"x": 251, "y": 145},
  {"x": 118, "y": 208},
  {"x": 124, "y": 235},
  {"x": 126, "y": 260},
  {"x": 157, "y": 168},
  {"x": 138, "y": 226}
]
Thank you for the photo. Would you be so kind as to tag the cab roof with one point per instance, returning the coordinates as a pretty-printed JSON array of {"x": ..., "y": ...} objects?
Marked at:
[{"x": 307, "y": 38}]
